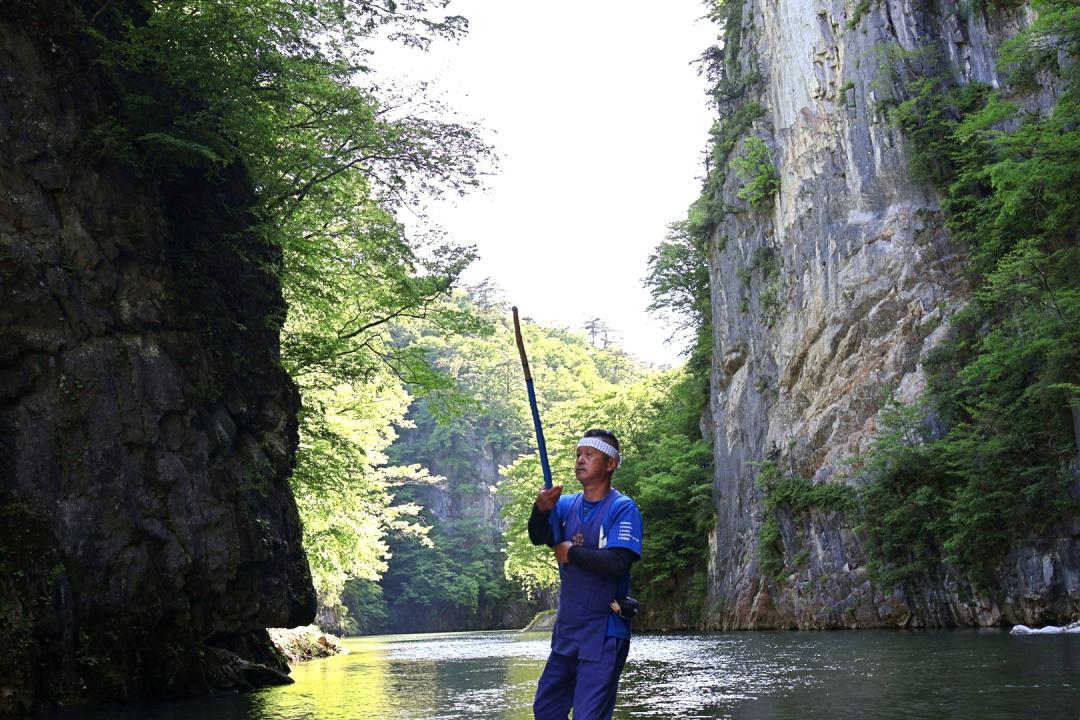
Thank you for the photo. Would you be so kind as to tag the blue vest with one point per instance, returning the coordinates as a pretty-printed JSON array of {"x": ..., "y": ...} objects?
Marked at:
[{"x": 581, "y": 623}]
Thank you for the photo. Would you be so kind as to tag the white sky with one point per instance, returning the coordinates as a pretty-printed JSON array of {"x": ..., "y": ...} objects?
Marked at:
[{"x": 600, "y": 122}]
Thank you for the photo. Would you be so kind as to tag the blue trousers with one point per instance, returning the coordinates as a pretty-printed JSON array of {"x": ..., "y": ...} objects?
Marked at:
[{"x": 589, "y": 687}]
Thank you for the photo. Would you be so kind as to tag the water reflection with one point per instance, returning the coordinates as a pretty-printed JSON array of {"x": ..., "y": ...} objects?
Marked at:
[
  {"x": 457, "y": 675},
  {"x": 803, "y": 676},
  {"x": 328, "y": 689},
  {"x": 917, "y": 676}
]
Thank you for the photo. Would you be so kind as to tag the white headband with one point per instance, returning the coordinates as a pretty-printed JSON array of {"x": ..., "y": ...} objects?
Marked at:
[{"x": 603, "y": 447}]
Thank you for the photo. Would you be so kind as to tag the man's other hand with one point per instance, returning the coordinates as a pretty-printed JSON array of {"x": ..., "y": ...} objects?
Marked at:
[
  {"x": 546, "y": 498},
  {"x": 562, "y": 551}
]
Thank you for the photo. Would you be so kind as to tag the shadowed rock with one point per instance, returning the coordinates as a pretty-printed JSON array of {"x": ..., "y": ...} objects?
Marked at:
[{"x": 147, "y": 430}]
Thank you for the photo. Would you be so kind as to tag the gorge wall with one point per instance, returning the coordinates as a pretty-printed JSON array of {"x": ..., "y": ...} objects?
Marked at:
[
  {"x": 827, "y": 300},
  {"x": 469, "y": 468},
  {"x": 465, "y": 514},
  {"x": 147, "y": 531}
]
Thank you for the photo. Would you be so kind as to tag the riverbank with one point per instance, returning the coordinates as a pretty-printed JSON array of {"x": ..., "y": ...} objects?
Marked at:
[
  {"x": 543, "y": 620},
  {"x": 305, "y": 643}
]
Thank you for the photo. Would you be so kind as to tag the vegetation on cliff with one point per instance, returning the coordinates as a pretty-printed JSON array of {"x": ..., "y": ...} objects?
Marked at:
[
  {"x": 994, "y": 462},
  {"x": 985, "y": 457}
]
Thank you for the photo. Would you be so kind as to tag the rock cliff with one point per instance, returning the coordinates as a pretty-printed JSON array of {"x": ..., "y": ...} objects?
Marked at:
[
  {"x": 147, "y": 531},
  {"x": 469, "y": 468},
  {"x": 827, "y": 299}
]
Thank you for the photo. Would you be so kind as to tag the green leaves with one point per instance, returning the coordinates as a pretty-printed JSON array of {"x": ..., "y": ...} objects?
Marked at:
[
  {"x": 678, "y": 278},
  {"x": 667, "y": 469},
  {"x": 489, "y": 420},
  {"x": 672, "y": 485},
  {"x": 1003, "y": 386},
  {"x": 930, "y": 117},
  {"x": 279, "y": 89},
  {"x": 533, "y": 567},
  {"x": 787, "y": 493},
  {"x": 755, "y": 168},
  {"x": 963, "y": 498}
]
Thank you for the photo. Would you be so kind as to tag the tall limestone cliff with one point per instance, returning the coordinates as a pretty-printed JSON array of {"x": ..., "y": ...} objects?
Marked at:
[
  {"x": 827, "y": 298},
  {"x": 148, "y": 534}
]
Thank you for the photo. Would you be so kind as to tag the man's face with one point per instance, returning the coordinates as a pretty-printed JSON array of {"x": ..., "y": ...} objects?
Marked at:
[{"x": 592, "y": 465}]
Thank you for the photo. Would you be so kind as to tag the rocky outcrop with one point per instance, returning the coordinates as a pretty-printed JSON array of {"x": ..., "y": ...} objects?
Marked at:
[
  {"x": 468, "y": 474},
  {"x": 147, "y": 429},
  {"x": 827, "y": 299},
  {"x": 305, "y": 643},
  {"x": 544, "y": 621}
]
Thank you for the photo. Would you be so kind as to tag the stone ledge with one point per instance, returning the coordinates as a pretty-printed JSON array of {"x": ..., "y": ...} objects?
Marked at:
[{"x": 305, "y": 643}]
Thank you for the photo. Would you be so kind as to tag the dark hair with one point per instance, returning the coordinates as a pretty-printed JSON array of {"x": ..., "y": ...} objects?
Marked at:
[{"x": 606, "y": 435}]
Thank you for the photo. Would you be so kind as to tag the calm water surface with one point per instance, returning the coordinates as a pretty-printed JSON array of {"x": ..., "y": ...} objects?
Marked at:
[{"x": 867, "y": 674}]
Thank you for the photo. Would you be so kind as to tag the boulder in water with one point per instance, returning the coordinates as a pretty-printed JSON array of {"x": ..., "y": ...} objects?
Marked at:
[{"x": 1048, "y": 630}]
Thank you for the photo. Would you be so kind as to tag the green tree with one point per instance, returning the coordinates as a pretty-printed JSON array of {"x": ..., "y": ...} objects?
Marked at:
[
  {"x": 678, "y": 277},
  {"x": 666, "y": 468},
  {"x": 282, "y": 90},
  {"x": 756, "y": 168},
  {"x": 367, "y": 611},
  {"x": 493, "y": 421},
  {"x": 678, "y": 282}
]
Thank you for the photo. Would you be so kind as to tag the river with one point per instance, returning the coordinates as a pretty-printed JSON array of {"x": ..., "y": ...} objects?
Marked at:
[{"x": 976, "y": 675}]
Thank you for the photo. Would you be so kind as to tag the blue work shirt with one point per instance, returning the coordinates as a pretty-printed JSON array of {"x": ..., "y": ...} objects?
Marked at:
[{"x": 584, "y": 618}]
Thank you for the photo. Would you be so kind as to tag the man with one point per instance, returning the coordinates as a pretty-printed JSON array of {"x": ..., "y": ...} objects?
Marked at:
[{"x": 601, "y": 529}]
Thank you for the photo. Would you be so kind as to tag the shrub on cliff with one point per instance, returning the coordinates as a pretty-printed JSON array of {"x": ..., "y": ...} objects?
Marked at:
[{"x": 1005, "y": 387}]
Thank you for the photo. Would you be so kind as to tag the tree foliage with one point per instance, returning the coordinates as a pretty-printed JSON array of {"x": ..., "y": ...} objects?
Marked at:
[
  {"x": 626, "y": 410},
  {"x": 785, "y": 492},
  {"x": 671, "y": 479},
  {"x": 678, "y": 276},
  {"x": 490, "y": 422},
  {"x": 760, "y": 179},
  {"x": 283, "y": 91}
]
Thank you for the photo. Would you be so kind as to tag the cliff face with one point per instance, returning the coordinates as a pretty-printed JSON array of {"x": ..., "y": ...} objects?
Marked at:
[
  {"x": 147, "y": 531},
  {"x": 470, "y": 473},
  {"x": 827, "y": 300}
]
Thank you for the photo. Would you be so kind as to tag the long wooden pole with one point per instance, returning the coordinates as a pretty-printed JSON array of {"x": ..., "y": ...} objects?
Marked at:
[{"x": 556, "y": 527}]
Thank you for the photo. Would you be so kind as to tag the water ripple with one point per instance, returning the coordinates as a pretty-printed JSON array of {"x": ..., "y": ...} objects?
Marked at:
[{"x": 741, "y": 676}]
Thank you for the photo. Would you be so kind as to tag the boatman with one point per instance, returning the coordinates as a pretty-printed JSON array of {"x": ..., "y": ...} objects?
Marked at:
[{"x": 602, "y": 532}]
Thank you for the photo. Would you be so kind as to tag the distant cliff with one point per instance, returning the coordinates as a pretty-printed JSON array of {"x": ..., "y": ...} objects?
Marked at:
[
  {"x": 832, "y": 277},
  {"x": 467, "y": 530},
  {"x": 147, "y": 531}
]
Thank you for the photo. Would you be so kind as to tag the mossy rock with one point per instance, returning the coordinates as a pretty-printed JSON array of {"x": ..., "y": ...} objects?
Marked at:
[{"x": 541, "y": 622}]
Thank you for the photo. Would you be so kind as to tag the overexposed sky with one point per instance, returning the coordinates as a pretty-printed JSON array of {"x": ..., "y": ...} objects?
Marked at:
[{"x": 600, "y": 121}]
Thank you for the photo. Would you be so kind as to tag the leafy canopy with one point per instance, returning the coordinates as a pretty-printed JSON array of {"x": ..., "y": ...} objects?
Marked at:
[{"x": 282, "y": 90}]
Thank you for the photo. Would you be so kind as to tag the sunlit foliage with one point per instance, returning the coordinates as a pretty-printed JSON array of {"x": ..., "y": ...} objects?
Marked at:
[
  {"x": 666, "y": 469},
  {"x": 283, "y": 91},
  {"x": 492, "y": 420}
]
